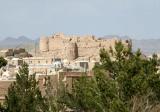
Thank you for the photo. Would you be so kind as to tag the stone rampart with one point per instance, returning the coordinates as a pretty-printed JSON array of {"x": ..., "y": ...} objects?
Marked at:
[{"x": 71, "y": 47}]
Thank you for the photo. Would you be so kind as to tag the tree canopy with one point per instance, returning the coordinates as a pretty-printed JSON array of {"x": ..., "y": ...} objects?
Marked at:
[
  {"x": 24, "y": 94},
  {"x": 3, "y": 62},
  {"x": 124, "y": 81}
]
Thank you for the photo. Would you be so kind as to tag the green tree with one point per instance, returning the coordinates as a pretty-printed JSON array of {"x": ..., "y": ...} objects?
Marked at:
[
  {"x": 53, "y": 96},
  {"x": 123, "y": 82},
  {"x": 3, "y": 62},
  {"x": 84, "y": 96},
  {"x": 24, "y": 94},
  {"x": 133, "y": 76}
]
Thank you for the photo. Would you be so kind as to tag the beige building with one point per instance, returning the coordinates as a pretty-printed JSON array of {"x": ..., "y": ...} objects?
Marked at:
[
  {"x": 38, "y": 60},
  {"x": 71, "y": 47},
  {"x": 16, "y": 61},
  {"x": 39, "y": 65},
  {"x": 85, "y": 63},
  {"x": 6, "y": 52},
  {"x": 18, "y": 53}
]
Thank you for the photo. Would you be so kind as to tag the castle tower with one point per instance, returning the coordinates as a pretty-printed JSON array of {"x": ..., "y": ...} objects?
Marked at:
[
  {"x": 71, "y": 51},
  {"x": 51, "y": 43},
  {"x": 43, "y": 44}
]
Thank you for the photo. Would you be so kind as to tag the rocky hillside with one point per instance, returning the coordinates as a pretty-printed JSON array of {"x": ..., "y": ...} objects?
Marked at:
[{"x": 20, "y": 42}]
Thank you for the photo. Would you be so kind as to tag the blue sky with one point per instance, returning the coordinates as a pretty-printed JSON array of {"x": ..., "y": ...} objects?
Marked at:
[{"x": 33, "y": 18}]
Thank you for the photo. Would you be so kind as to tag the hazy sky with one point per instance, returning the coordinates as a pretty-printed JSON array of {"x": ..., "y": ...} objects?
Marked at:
[{"x": 34, "y": 18}]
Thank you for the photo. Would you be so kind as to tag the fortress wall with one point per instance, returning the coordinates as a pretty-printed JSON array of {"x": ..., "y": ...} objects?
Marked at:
[
  {"x": 71, "y": 47},
  {"x": 88, "y": 48},
  {"x": 74, "y": 39},
  {"x": 51, "y": 43},
  {"x": 108, "y": 43},
  {"x": 59, "y": 36},
  {"x": 57, "y": 44},
  {"x": 44, "y": 44},
  {"x": 71, "y": 51},
  {"x": 86, "y": 38},
  {"x": 88, "y": 52},
  {"x": 88, "y": 44}
]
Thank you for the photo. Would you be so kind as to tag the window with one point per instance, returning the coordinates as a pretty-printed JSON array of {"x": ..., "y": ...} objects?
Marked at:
[{"x": 84, "y": 65}]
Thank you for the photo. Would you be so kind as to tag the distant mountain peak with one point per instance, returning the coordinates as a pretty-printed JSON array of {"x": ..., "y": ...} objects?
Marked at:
[
  {"x": 8, "y": 38},
  {"x": 11, "y": 42},
  {"x": 24, "y": 38}
]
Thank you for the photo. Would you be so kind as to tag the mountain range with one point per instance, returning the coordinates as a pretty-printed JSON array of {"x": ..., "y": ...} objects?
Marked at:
[
  {"x": 19, "y": 42},
  {"x": 147, "y": 46}
]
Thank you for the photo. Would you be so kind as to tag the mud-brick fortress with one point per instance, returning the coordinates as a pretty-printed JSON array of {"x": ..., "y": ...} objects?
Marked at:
[{"x": 72, "y": 47}]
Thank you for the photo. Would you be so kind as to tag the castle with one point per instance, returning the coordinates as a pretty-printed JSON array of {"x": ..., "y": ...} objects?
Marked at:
[{"x": 72, "y": 47}]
